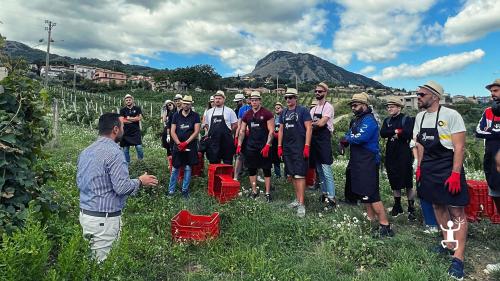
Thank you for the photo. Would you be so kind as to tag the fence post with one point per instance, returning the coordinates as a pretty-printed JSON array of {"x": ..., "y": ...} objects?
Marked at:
[{"x": 55, "y": 128}]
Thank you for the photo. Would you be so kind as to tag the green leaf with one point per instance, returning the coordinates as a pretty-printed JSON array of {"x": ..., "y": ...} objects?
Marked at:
[{"x": 9, "y": 138}]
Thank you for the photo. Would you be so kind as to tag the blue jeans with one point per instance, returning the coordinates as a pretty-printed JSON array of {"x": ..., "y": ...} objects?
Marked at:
[
  {"x": 138, "y": 148},
  {"x": 428, "y": 213},
  {"x": 175, "y": 175},
  {"x": 326, "y": 179}
]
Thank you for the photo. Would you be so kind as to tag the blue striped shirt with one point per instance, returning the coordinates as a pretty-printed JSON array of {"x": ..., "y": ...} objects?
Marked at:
[{"x": 102, "y": 177}]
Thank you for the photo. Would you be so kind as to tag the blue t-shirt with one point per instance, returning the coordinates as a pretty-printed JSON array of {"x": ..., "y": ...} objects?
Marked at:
[
  {"x": 365, "y": 133},
  {"x": 243, "y": 110},
  {"x": 301, "y": 114}
]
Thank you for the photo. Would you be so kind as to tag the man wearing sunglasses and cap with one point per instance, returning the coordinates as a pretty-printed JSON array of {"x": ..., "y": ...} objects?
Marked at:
[
  {"x": 294, "y": 140},
  {"x": 321, "y": 144},
  {"x": 132, "y": 116},
  {"x": 398, "y": 130},
  {"x": 488, "y": 129},
  {"x": 364, "y": 161},
  {"x": 185, "y": 129},
  {"x": 221, "y": 122},
  {"x": 260, "y": 124},
  {"x": 440, "y": 136}
]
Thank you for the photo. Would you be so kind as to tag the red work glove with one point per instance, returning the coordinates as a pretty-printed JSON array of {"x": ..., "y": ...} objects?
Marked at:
[
  {"x": 453, "y": 183},
  {"x": 265, "y": 151},
  {"x": 280, "y": 151},
  {"x": 182, "y": 146},
  {"x": 417, "y": 174},
  {"x": 235, "y": 141},
  {"x": 238, "y": 150},
  {"x": 398, "y": 132},
  {"x": 306, "y": 151}
]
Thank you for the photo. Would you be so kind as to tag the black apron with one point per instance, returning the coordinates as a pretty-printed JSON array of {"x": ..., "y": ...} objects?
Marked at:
[
  {"x": 221, "y": 144},
  {"x": 398, "y": 158},
  {"x": 293, "y": 146},
  {"x": 256, "y": 140},
  {"x": 321, "y": 142},
  {"x": 436, "y": 167},
  {"x": 184, "y": 130},
  {"x": 489, "y": 163},
  {"x": 131, "y": 131},
  {"x": 273, "y": 153},
  {"x": 363, "y": 166}
]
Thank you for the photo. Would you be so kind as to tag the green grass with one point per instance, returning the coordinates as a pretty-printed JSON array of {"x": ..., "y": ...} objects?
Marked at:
[{"x": 258, "y": 241}]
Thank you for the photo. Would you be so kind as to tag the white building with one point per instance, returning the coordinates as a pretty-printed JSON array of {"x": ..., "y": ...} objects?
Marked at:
[{"x": 3, "y": 72}]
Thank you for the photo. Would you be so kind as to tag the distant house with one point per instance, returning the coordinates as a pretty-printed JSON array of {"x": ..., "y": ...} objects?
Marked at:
[
  {"x": 458, "y": 98},
  {"x": 233, "y": 90},
  {"x": 485, "y": 99},
  {"x": 108, "y": 76},
  {"x": 180, "y": 86},
  {"x": 54, "y": 71},
  {"x": 3, "y": 72},
  {"x": 263, "y": 90},
  {"x": 410, "y": 101},
  {"x": 87, "y": 72},
  {"x": 279, "y": 91}
]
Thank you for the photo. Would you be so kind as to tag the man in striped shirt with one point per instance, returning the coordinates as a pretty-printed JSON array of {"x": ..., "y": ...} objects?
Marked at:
[{"x": 104, "y": 184}]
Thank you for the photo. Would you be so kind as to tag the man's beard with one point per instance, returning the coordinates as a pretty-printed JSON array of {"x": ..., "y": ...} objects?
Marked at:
[
  {"x": 358, "y": 112},
  {"x": 320, "y": 97},
  {"x": 424, "y": 105}
]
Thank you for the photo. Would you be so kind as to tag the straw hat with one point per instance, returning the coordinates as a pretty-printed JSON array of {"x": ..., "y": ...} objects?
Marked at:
[
  {"x": 178, "y": 97},
  {"x": 361, "y": 98},
  {"x": 239, "y": 97},
  {"x": 211, "y": 98},
  {"x": 495, "y": 83},
  {"x": 168, "y": 101},
  {"x": 395, "y": 101},
  {"x": 128, "y": 96},
  {"x": 291, "y": 92},
  {"x": 220, "y": 93},
  {"x": 255, "y": 95},
  {"x": 434, "y": 87},
  {"x": 278, "y": 103},
  {"x": 323, "y": 85},
  {"x": 187, "y": 99}
]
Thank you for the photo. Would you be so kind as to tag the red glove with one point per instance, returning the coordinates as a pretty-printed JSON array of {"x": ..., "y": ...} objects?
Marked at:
[
  {"x": 238, "y": 150},
  {"x": 306, "y": 151},
  {"x": 235, "y": 141},
  {"x": 265, "y": 151},
  {"x": 275, "y": 134},
  {"x": 182, "y": 146},
  {"x": 417, "y": 174},
  {"x": 280, "y": 151},
  {"x": 453, "y": 183},
  {"x": 398, "y": 132},
  {"x": 344, "y": 142}
]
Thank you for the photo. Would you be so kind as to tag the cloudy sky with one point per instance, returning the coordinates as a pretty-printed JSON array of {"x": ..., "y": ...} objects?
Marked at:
[{"x": 400, "y": 43}]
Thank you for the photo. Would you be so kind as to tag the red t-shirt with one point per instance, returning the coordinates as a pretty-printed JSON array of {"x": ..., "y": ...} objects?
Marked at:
[{"x": 263, "y": 115}]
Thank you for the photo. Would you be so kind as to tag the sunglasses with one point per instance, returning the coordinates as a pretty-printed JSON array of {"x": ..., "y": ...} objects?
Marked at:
[
  {"x": 420, "y": 94},
  {"x": 355, "y": 105},
  {"x": 290, "y": 97},
  {"x": 319, "y": 91}
]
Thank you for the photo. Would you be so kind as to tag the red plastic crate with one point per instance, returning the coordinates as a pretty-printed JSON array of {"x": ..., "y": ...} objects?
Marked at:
[
  {"x": 196, "y": 170},
  {"x": 215, "y": 170},
  {"x": 478, "y": 199},
  {"x": 225, "y": 188},
  {"x": 311, "y": 177},
  {"x": 186, "y": 226}
]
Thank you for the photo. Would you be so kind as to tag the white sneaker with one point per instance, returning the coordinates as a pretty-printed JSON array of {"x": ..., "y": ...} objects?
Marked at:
[
  {"x": 260, "y": 179},
  {"x": 301, "y": 211},
  {"x": 294, "y": 204},
  {"x": 490, "y": 268},
  {"x": 431, "y": 229}
]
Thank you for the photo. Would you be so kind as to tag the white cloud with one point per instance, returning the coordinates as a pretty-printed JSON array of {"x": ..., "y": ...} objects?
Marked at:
[
  {"x": 438, "y": 66},
  {"x": 239, "y": 32},
  {"x": 378, "y": 30},
  {"x": 367, "y": 69},
  {"x": 476, "y": 19}
]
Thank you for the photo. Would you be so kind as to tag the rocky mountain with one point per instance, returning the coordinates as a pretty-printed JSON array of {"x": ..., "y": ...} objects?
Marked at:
[
  {"x": 307, "y": 68},
  {"x": 16, "y": 49}
]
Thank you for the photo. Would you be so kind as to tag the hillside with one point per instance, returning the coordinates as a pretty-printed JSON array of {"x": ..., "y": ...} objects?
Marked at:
[
  {"x": 16, "y": 49},
  {"x": 307, "y": 68}
]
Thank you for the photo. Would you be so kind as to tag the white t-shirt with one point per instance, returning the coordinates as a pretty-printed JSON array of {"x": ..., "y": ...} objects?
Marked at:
[
  {"x": 229, "y": 116},
  {"x": 450, "y": 122}
]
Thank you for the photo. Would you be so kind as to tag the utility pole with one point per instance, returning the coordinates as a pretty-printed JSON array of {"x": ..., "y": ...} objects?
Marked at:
[
  {"x": 74, "y": 77},
  {"x": 49, "y": 27},
  {"x": 277, "y": 84}
]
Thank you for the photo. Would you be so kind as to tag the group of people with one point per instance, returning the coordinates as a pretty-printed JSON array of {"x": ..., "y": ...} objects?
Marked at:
[{"x": 432, "y": 144}]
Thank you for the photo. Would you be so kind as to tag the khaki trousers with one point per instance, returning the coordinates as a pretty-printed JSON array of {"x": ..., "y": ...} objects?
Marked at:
[{"x": 101, "y": 233}]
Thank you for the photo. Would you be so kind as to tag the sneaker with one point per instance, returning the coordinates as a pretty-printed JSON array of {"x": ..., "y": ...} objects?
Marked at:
[
  {"x": 396, "y": 211},
  {"x": 456, "y": 269},
  {"x": 331, "y": 204},
  {"x": 386, "y": 231},
  {"x": 185, "y": 194},
  {"x": 429, "y": 229},
  {"x": 268, "y": 198},
  {"x": 294, "y": 204},
  {"x": 411, "y": 216},
  {"x": 491, "y": 268},
  {"x": 170, "y": 194},
  {"x": 322, "y": 198},
  {"x": 255, "y": 195},
  {"x": 260, "y": 179},
  {"x": 301, "y": 211}
]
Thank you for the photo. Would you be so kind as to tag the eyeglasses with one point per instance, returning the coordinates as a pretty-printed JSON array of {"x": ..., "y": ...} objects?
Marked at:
[
  {"x": 319, "y": 91},
  {"x": 289, "y": 97},
  {"x": 420, "y": 94}
]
